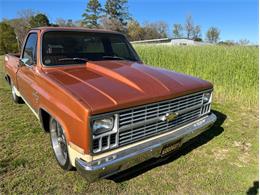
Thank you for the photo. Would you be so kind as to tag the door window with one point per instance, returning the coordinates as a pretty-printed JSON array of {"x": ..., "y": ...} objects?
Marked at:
[{"x": 29, "y": 54}]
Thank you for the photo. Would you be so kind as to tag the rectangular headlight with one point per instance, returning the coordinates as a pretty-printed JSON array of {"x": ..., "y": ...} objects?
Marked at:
[
  {"x": 207, "y": 97},
  {"x": 103, "y": 125}
]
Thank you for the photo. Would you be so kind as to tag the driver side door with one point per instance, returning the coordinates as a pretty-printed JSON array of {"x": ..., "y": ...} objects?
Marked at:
[{"x": 26, "y": 73}]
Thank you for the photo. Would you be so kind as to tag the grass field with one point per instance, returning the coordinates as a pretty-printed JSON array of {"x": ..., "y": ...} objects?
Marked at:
[
  {"x": 233, "y": 70},
  {"x": 224, "y": 160}
]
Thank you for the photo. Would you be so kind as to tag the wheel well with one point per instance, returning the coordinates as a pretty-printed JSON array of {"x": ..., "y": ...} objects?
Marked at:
[
  {"x": 44, "y": 119},
  {"x": 8, "y": 79}
]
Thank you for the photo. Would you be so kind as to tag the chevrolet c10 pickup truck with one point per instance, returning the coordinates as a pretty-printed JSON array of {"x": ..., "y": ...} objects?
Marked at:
[{"x": 104, "y": 109}]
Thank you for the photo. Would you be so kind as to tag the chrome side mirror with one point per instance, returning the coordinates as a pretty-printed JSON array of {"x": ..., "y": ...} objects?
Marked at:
[{"x": 22, "y": 62}]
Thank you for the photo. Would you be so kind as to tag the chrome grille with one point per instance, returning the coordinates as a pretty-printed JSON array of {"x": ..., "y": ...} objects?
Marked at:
[
  {"x": 142, "y": 122},
  {"x": 104, "y": 143}
]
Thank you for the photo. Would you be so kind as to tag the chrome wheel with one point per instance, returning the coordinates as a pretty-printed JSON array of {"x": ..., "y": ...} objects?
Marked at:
[{"x": 58, "y": 141}]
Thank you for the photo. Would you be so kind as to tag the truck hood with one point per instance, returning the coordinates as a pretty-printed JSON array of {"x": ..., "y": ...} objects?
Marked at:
[{"x": 111, "y": 85}]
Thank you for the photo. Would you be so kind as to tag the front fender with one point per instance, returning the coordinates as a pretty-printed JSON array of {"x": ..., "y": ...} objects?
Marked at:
[{"x": 67, "y": 110}]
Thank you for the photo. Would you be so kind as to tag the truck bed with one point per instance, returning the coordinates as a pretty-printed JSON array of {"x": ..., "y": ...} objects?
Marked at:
[{"x": 11, "y": 62}]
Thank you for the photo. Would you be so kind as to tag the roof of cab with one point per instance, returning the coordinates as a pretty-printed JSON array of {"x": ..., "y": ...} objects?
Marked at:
[{"x": 51, "y": 28}]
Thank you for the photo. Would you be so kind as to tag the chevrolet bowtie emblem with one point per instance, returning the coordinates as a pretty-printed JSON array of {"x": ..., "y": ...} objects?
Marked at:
[{"x": 169, "y": 116}]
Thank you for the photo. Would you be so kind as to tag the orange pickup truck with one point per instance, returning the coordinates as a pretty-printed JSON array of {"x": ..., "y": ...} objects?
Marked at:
[{"x": 104, "y": 109}]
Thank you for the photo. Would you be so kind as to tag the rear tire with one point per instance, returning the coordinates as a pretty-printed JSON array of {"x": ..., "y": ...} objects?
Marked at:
[
  {"x": 16, "y": 99},
  {"x": 59, "y": 145}
]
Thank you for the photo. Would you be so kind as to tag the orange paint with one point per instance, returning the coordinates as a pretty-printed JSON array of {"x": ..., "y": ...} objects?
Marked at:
[{"x": 72, "y": 94}]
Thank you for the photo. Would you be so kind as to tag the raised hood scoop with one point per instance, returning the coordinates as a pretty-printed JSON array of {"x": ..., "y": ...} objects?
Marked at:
[{"x": 108, "y": 72}]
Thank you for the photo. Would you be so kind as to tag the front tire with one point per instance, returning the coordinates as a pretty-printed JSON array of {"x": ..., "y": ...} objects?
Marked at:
[{"x": 59, "y": 145}]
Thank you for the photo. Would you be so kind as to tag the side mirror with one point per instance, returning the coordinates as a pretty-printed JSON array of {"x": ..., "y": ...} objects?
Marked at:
[{"x": 22, "y": 62}]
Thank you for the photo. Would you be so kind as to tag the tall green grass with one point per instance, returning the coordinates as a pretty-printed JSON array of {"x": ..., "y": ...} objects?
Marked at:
[{"x": 232, "y": 70}]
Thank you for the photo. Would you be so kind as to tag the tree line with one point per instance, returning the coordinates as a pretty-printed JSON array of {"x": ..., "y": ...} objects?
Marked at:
[
  {"x": 14, "y": 31},
  {"x": 113, "y": 15}
]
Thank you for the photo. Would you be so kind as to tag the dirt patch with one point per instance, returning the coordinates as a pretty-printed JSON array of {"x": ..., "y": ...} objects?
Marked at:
[
  {"x": 220, "y": 154},
  {"x": 244, "y": 147}
]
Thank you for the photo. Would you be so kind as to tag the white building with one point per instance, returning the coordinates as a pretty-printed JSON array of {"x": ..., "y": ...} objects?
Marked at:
[
  {"x": 182, "y": 42},
  {"x": 187, "y": 42},
  {"x": 172, "y": 41}
]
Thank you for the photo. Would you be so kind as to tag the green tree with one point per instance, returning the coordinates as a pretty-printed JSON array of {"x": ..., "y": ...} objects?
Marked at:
[
  {"x": 117, "y": 10},
  {"x": 244, "y": 42},
  {"x": 112, "y": 24},
  {"x": 213, "y": 34},
  {"x": 39, "y": 20},
  {"x": 70, "y": 23},
  {"x": 135, "y": 31},
  {"x": 177, "y": 31},
  {"x": 150, "y": 32},
  {"x": 8, "y": 42},
  {"x": 162, "y": 28},
  {"x": 92, "y": 14},
  {"x": 189, "y": 26},
  {"x": 196, "y": 32},
  {"x": 198, "y": 39},
  {"x": 227, "y": 43},
  {"x": 21, "y": 24},
  {"x": 155, "y": 30},
  {"x": 66, "y": 23}
]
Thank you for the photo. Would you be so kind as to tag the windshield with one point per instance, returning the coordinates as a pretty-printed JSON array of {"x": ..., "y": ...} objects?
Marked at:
[{"x": 68, "y": 47}]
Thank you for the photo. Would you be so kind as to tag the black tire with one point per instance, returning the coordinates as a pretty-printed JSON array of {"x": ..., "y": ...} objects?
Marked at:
[
  {"x": 15, "y": 98},
  {"x": 59, "y": 145}
]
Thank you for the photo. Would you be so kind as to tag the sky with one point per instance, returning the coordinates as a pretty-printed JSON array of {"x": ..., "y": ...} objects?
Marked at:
[{"x": 237, "y": 19}]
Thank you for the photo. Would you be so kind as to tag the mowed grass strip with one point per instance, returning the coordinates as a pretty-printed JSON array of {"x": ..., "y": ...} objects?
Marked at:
[{"x": 222, "y": 161}]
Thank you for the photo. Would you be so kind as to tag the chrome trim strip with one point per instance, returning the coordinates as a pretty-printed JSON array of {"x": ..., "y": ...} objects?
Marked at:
[{"x": 34, "y": 112}]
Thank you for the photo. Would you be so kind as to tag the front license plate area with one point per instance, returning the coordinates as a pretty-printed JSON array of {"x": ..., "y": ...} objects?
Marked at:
[{"x": 169, "y": 148}]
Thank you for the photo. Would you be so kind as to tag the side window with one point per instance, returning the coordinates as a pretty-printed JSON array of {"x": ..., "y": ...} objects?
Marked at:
[{"x": 30, "y": 50}]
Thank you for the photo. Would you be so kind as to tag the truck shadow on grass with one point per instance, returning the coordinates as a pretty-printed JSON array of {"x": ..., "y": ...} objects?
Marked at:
[
  {"x": 254, "y": 189},
  {"x": 196, "y": 142}
]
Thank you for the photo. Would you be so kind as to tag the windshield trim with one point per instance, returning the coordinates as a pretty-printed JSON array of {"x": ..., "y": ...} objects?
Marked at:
[{"x": 129, "y": 46}]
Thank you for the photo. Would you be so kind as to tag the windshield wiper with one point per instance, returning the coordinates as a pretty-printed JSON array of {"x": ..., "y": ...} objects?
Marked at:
[
  {"x": 114, "y": 57},
  {"x": 74, "y": 59}
]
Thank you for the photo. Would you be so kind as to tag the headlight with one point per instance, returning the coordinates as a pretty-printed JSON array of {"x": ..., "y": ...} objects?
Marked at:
[
  {"x": 103, "y": 125},
  {"x": 206, "y": 97}
]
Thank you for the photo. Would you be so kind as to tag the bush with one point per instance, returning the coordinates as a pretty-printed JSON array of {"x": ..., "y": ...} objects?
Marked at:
[{"x": 8, "y": 42}]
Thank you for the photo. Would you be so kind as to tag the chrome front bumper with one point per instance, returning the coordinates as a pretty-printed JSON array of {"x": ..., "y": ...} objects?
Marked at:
[{"x": 125, "y": 159}]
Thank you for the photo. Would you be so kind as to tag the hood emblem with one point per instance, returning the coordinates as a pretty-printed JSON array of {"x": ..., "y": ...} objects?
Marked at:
[{"x": 170, "y": 116}]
